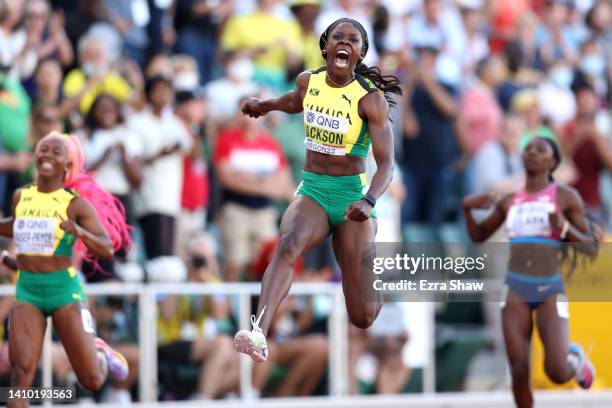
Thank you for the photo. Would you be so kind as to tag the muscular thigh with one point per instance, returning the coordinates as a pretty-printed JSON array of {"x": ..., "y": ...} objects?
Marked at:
[
  {"x": 305, "y": 222},
  {"x": 552, "y": 323},
  {"x": 353, "y": 244},
  {"x": 517, "y": 323},
  {"x": 27, "y": 326},
  {"x": 74, "y": 325}
]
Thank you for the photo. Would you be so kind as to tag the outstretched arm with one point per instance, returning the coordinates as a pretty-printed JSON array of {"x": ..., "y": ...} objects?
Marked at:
[
  {"x": 375, "y": 110},
  {"x": 291, "y": 102},
  {"x": 84, "y": 224},
  {"x": 6, "y": 224},
  {"x": 480, "y": 232}
]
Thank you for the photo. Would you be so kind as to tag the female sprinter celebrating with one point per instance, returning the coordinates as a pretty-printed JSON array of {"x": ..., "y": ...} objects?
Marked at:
[
  {"x": 346, "y": 107},
  {"x": 536, "y": 219},
  {"x": 48, "y": 219}
]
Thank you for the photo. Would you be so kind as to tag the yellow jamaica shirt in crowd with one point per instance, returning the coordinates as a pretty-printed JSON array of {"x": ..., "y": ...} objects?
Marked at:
[
  {"x": 188, "y": 310},
  {"x": 311, "y": 53},
  {"x": 112, "y": 84},
  {"x": 263, "y": 30},
  {"x": 331, "y": 116}
]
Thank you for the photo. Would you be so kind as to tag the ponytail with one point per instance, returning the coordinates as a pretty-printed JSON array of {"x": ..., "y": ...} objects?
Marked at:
[{"x": 388, "y": 84}]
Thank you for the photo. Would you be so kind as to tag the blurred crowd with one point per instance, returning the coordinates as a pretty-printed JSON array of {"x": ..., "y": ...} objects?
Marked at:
[{"x": 153, "y": 90}]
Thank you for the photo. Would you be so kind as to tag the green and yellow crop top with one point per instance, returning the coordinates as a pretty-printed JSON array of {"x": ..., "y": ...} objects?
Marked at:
[
  {"x": 331, "y": 116},
  {"x": 36, "y": 229}
]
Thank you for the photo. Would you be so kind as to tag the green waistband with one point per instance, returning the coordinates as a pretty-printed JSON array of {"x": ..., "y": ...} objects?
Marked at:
[
  {"x": 60, "y": 273},
  {"x": 330, "y": 182}
]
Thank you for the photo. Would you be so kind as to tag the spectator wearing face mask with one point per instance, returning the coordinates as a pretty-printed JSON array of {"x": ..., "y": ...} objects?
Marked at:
[
  {"x": 223, "y": 94},
  {"x": 592, "y": 71},
  {"x": 196, "y": 23},
  {"x": 94, "y": 76},
  {"x": 555, "y": 98}
]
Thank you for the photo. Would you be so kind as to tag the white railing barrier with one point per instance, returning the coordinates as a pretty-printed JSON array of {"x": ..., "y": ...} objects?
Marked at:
[{"x": 147, "y": 304}]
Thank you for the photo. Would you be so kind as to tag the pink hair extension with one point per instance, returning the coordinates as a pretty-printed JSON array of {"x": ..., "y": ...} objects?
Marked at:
[{"x": 109, "y": 210}]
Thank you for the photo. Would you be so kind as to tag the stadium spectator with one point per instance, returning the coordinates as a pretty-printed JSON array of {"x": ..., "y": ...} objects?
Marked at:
[
  {"x": 438, "y": 24},
  {"x": 112, "y": 152},
  {"x": 94, "y": 76},
  {"x": 194, "y": 198},
  {"x": 306, "y": 12},
  {"x": 46, "y": 36},
  {"x": 48, "y": 79},
  {"x": 224, "y": 94},
  {"x": 599, "y": 21},
  {"x": 476, "y": 45},
  {"x": 164, "y": 139},
  {"x": 590, "y": 151},
  {"x": 592, "y": 71},
  {"x": 13, "y": 41},
  {"x": 518, "y": 75},
  {"x": 197, "y": 23},
  {"x": 45, "y": 119},
  {"x": 555, "y": 37},
  {"x": 160, "y": 65},
  {"x": 555, "y": 97},
  {"x": 186, "y": 75},
  {"x": 130, "y": 18},
  {"x": 381, "y": 346},
  {"x": 275, "y": 50},
  {"x": 480, "y": 116},
  {"x": 430, "y": 143},
  {"x": 191, "y": 329},
  {"x": 504, "y": 17},
  {"x": 497, "y": 166},
  {"x": 253, "y": 172},
  {"x": 303, "y": 355},
  {"x": 14, "y": 129}
]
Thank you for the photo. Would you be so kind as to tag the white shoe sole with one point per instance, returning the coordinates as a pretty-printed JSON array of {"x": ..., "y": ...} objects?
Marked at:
[{"x": 242, "y": 344}]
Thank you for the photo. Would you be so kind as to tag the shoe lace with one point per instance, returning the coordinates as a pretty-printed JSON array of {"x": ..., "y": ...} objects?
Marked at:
[{"x": 255, "y": 321}]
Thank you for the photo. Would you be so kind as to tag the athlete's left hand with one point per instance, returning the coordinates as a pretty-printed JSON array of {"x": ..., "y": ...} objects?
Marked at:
[
  {"x": 359, "y": 211},
  {"x": 70, "y": 227}
]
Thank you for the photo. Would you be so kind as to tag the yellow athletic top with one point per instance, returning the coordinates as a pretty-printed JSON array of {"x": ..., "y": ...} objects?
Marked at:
[
  {"x": 331, "y": 116},
  {"x": 36, "y": 229}
]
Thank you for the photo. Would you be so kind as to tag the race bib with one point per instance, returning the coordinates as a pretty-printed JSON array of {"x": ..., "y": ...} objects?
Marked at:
[
  {"x": 34, "y": 235},
  {"x": 325, "y": 133},
  {"x": 87, "y": 320}
]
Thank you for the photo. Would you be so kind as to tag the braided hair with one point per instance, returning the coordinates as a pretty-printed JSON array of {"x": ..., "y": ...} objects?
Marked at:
[
  {"x": 388, "y": 84},
  {"x": 571, "y": 256}
]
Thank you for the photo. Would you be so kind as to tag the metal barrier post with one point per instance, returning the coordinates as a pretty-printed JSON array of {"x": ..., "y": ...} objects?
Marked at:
[
  {"x": 147, "y": 334},
  {"x": 246, "y": 364},
  {"x": 429, "y": 371}
]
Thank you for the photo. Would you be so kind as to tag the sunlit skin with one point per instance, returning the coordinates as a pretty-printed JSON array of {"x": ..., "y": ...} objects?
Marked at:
[
  {"x": 52, "y": 164},
  {"x": 534, "y": 259},
  {"x": 27, "y": 321},
  {"x": 305, "y": 223}
]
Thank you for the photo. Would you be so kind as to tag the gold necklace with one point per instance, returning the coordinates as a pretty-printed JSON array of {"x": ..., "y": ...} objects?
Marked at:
[{"x": 337, "y": 84}]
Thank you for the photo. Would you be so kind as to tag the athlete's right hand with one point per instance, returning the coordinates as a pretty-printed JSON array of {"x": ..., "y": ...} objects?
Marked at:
[
  {"x": 253, "y": 108},
  {"x": 479, "y": 201}
]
